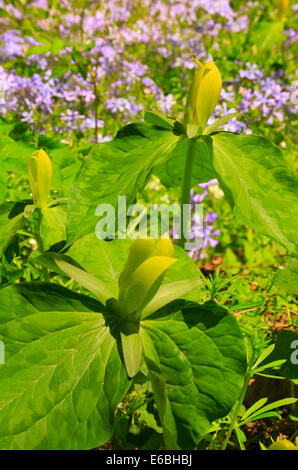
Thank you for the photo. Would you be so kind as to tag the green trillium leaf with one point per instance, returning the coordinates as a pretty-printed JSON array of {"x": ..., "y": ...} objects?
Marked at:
[
  {"x": 105, "y": 260},
  {"x": 63, "y": 375},
  {"x": 258, "y": 182},
  {"x": 65, "y": 169},
  {"x": 53, "y": 225},
  {"x": 170, "y": 172},
  {"x": 158, "y": 119},
  {"x": 15, "y": 156},
  {"x": 117, "y": 168},
  {"x": 9, "y": 224},
  {"x": 196, "y": 359}
]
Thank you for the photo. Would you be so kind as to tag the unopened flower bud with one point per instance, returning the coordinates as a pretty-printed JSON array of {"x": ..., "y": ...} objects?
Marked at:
[
  {"x": 40, "y": 177},
  {"x": 142, "y": 276},
  {"x": 202, "y": 97}
]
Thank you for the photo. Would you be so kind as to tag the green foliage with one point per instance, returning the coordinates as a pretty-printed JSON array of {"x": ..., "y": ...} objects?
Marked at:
[
  {"x": 63, "y": 348},
  {"x": 193, "y": 386},
  {"x": 286, "y": 350},
  {"x": 259, "y": 185},
  {"x": 267, "y": 34},
  {"x": 171, "y": 172},
  {"x": 58, "y": 389},
  {"x": 286, "y": 277},
  {"x": 9, "y": 224},
  {"x": 62, "y": 334},
  {"x": 169, "y": 362},
  {"x": 117, "y": 168},
  {"x": 52, "y": 226}
]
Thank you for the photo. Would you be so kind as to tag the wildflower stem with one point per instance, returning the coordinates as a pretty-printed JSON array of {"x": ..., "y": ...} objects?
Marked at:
[
  {"x": 95, "y": 107},
  {"x": 237, "y": 408},
  {"x": 186, "y": 186},
  {"x": 45, "y": 271}
]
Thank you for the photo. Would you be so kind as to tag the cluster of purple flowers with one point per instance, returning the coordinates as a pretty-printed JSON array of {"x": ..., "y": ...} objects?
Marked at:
[
  {"x": 266, "y": 94},
  {"x": 204, "y": 232},
  {"x": 128, "y": 49},
  {"x": 119, "y": 40}
]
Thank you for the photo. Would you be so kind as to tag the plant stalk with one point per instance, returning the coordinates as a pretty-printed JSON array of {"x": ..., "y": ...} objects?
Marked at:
[
  {"x": 237, "y": 409},
  {"x": 95, "y": 108},
  {"x": 186, "y": 185},
  {"x": 41, "y": 249}
]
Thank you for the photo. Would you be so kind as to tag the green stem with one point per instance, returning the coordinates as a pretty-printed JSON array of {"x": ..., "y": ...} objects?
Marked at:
[
  {"x": 237, "y": 408},
  {"x": 45, "y": 271},
  {"x": 186, "y": 185},
  {"x": 95, "y": 107},
  {"x": 241, "y": 445}
]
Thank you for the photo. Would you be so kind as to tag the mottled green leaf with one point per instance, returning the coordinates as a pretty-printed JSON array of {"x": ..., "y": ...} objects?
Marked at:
[
  {"x": 158, "y": 119},
  {"x": 53, "y": 225},
  {"x": 258, "y": 182},
  {"x": 15, "y": 156},
  {"x": 63, "y": 375},
  {"x": 117, "y": 168},
  {"x": 106, "y": 260},
  {"x": 171, "y": 172},
  {"x": 65, "y": 169},
  {"x": 9, "y": 224},
  {"x": 196, "y": 359}
]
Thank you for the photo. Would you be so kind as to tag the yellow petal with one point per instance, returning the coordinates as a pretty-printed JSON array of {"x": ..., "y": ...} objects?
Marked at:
[
  {"x": 191, "y": 117},
  {"x": 164, "y": 247},
  {"x": 139, "y": 251},
  {"x": 44, "y": 177},
  {"x": 209, "y": 93},
  {"x": 143, "y": 273},
  {"x": 203, "y": 96},
  {"x": 144, "y": 283},
  {"x": 32, "y": 170}
]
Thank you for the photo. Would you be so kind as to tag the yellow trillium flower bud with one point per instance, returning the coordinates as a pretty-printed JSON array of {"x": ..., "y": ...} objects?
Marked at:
[
  {"x": 138, "y": 283},
  {"x": 142, "y": 276},
  {"x": 203, "y": 96},
  {"x": 282, "y": 6},
  {"x": 283, "y": 444},
  {"x": 40, "y": 177}
]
